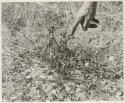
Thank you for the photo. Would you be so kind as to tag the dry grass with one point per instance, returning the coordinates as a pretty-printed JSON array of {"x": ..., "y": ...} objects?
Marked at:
[{"x": 40, "y": 63}]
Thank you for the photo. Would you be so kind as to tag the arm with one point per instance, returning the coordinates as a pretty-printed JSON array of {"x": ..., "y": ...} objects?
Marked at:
[{"x": 80, "y": 16}]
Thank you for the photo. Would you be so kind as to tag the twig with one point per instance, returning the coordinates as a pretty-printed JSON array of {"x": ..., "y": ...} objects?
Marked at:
[
  {"x": 30, "y": 40},
  {"x": 27, "y": 32},
  {"x": 15, "y": 19}
]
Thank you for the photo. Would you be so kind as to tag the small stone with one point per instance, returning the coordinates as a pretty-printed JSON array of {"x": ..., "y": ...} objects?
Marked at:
[
  {"x": 87, "y": 64},
  {"x": 111, "y": 58}
]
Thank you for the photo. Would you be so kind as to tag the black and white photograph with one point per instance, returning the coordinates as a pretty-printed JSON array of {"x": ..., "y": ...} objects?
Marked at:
[{"x": 67, "y": 51}]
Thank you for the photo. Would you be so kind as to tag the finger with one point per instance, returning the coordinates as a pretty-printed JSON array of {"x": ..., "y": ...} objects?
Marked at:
[
  {"x": 85, "y": 28},
  {"x": 92, "y": 25},
  {"x": 95, "y": 20},
  {"x": 82, "y": 22}
]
